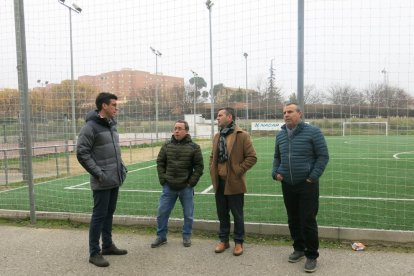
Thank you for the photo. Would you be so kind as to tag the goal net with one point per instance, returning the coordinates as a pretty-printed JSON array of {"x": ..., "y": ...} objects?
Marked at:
[{"x": 364, "y": 128}]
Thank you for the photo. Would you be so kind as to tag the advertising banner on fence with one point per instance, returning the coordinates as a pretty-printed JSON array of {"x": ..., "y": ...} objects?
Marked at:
[{"x": 267, "y": 126}]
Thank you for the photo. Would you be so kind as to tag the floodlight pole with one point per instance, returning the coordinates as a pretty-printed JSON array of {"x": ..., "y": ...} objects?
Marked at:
[
  {"x": 209, "y": 5},
  {"x": 195, "y": 97},
  {"x": 157, "y": 54},
  {"x": 76, "y": 9},
  {"x": 247, "y": 94},
  {"x": 301, "y": 58}
]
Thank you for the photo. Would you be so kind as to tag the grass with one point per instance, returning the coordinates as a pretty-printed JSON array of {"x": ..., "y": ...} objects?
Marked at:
[{"x": 367, "y": 184}]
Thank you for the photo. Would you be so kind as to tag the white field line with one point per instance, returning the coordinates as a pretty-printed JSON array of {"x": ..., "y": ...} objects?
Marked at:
[
  {"x": 41, "y": 183},
  {"x": 205, "y": 192},
  {"x": 75, "y": 187}
]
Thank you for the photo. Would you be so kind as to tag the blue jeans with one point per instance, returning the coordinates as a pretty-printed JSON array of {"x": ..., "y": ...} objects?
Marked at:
[
  {"x": 101, "y": 221},
  {"x": 167, "y": 201}
]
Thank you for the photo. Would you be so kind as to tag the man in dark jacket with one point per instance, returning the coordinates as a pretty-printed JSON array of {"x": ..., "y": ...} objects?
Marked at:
[
  {"x": 180, "y": 166},
  {"x": 231, "y": 157},
  {"x": 99, "y": 153},
  {"x": 301, "y": 156}
]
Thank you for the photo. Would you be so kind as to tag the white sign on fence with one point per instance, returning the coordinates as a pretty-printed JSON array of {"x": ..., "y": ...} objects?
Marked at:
[{"x": 267, "y": 126}]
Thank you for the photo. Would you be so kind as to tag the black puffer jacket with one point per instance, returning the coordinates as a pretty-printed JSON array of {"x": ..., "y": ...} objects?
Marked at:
[
  {"x": 180, "y": 163},
  {"x": 99, "y": 153}
]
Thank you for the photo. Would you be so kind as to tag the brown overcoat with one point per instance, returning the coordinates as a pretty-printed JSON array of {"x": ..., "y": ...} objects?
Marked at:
[{"x": 242, "y": 156}]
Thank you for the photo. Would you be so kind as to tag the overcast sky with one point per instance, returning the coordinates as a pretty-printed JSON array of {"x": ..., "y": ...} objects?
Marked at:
[{"x": 346, "y": 41}]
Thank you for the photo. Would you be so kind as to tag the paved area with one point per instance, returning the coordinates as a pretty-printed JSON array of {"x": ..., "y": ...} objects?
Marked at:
[{"x": 39, "y": 251}]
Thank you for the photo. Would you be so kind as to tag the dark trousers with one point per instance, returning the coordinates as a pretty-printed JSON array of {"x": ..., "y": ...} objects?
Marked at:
[
  {"x": 225, "y": 204},
  {"x": 302, "y": 203},
  {"x": 101, "y": 221}
]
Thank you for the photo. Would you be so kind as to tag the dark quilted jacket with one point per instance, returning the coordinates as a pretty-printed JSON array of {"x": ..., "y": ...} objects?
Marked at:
[
  {"x": 304, "y": 155},
  {"x": 180, "y": 163},
  {"x": 99, "y": 153}
]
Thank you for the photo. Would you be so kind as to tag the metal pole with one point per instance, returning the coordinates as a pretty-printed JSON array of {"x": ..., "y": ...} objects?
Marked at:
[
  {"x": 77, "y": 9},
  {"x": 247, "y": 94},
  {"x": 195, "y": 97},
  {"x": 301, "y": 58},
  {"x": 156, "y": 97},
  {"x": 209, "y": 6},
  {"x": 23, "y": 88},
  {"x": 65, "y": 130},
  {"x": 157, "y": 54},
  {"x": 72, "y": 88}
]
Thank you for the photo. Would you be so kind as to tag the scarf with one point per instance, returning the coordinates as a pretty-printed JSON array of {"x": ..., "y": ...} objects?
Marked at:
[{"x": 223, "y": 154}]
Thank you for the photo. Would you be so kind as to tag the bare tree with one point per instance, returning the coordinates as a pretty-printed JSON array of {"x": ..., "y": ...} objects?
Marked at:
[
  {"x": 312, "y": 95},
  {"x": 343, "y": 95}
]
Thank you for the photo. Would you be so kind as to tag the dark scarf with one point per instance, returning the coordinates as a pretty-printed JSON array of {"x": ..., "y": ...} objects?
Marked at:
[{"x": 223, "y": 154}]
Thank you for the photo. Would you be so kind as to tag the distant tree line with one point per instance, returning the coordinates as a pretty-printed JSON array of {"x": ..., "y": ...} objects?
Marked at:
[{"x": 265, "y": 102}]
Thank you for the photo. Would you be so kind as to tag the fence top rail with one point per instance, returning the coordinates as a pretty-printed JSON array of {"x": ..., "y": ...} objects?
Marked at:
[
  {"x": 38, "y": 147},
  {"x": 122, "y": 141}
]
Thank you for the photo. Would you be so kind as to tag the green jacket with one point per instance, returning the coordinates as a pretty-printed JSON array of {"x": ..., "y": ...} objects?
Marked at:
[{"x": 180, "y": 163}]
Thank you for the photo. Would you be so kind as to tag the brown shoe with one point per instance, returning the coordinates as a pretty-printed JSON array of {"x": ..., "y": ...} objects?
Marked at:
[
  {"x": 221, "y": 246},
  {"x": 238, "y": 249}
]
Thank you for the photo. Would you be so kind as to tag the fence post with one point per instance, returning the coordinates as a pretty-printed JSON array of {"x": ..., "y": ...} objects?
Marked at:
[
  {"x": 57, "y": 161},
  {"x": 4, "y": 134},
  {"x": 65, "y": 131},
  {"x": 6, "y": 167}
]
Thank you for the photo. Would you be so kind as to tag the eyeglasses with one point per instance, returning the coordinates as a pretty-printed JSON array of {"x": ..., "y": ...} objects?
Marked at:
[{"x": 179, "y": 129}]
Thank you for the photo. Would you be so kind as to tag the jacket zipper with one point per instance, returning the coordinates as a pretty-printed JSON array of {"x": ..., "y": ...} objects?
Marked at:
[{"x": 290, "y": 164}]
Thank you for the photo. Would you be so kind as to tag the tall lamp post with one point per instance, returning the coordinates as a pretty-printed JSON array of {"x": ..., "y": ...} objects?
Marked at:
[
  {"x": 387, "y": 104},
  {"x": 195, "y": 97},
  {"x": 209, "y": 5},
  {"x": 76, "y": 9},
  {"x": 247, "y": 94},
  {"x": 157, "y": 54}
]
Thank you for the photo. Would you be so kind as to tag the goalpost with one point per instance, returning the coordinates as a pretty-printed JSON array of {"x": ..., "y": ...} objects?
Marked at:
[{"x": 364, "y": 128}]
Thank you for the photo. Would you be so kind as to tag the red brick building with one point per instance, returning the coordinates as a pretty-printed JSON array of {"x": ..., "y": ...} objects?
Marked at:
[{"x": 128, "y": 83}]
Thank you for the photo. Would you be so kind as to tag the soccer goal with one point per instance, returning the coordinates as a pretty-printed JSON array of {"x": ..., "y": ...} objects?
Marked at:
[{"x": 364, "y": 128}]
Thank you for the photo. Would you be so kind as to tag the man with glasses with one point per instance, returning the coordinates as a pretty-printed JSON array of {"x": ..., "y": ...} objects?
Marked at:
[{"x": 99, "y": 153}]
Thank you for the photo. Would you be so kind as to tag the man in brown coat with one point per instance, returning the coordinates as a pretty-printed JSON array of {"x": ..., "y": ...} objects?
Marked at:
[{"x": 232, "y": 155}]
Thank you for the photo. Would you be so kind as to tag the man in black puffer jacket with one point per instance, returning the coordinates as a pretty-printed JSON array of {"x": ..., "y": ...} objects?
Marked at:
[
  {"x": 180, "y": 166},
  {"x": 99, "y": 153}
]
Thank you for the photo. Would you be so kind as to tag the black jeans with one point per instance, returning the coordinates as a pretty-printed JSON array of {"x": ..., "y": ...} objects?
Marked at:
[
  {"x": 225, "y": 204},
  {"x": 101, "y": 220},
  {"x": 302, "y": 204}
]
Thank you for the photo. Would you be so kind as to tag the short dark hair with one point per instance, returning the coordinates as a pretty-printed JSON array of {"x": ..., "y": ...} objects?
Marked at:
[
  {"x": 187, "y": 127},
  {"x": 229, "y": 111},
  {"x": 294, "y": 103},
  {"x": 104, "y": 98}
]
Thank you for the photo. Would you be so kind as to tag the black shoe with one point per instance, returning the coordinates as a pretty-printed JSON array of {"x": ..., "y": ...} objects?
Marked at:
[
  {"x": 113, "y": 250},
  {"x": 310, "y": 265},
  {"x": 158, "y": 242},
  {"x": 186, "y": 242},
  {"x": 296, "y": 256},
  {"x": 98, "y": 260}
]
